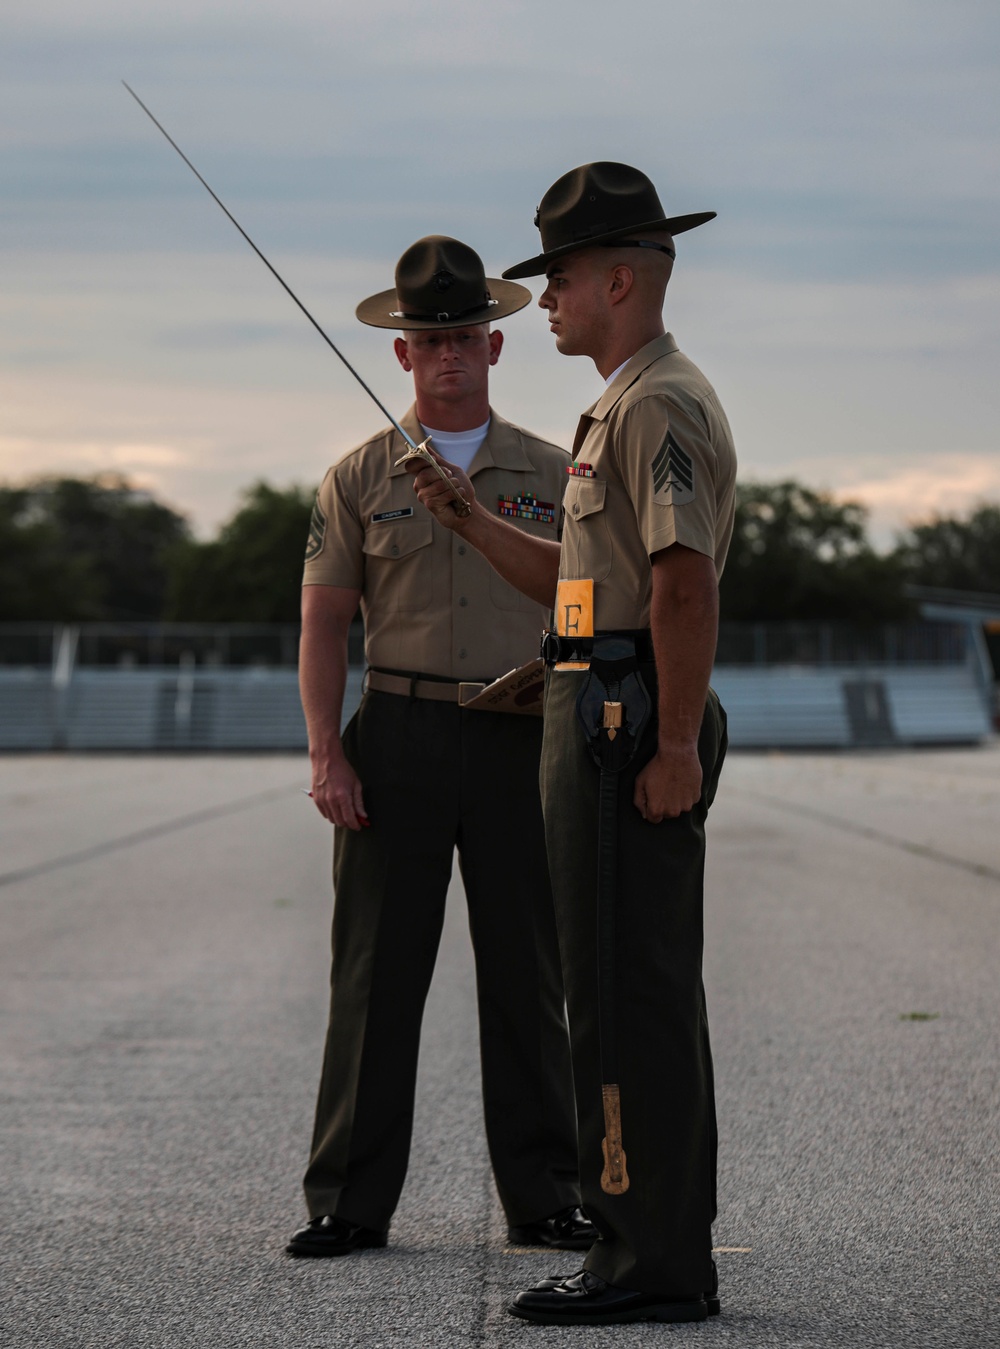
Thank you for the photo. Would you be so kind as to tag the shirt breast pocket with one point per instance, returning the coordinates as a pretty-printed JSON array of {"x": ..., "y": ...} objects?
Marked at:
[
  {"x": 586, "y": 535},
  {"x": 397, "y": 563}
]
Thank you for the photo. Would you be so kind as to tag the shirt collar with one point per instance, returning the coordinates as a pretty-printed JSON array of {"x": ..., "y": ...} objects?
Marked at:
[
  {"x": 664, "y": 345},
  {"x": 502, "y": 447}
]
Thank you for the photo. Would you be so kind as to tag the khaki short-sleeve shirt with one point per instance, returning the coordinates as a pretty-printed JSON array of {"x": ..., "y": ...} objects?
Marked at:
[
  {"x": 663, "y": 468},
  {"x": 431, "y": 603}
]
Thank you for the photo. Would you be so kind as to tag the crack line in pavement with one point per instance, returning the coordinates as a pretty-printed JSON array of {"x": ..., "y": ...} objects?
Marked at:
[
  {"x": 142, "y": 835},
  {"x": 864, "y": 831},
  {"x": 481, "y": 1307}
]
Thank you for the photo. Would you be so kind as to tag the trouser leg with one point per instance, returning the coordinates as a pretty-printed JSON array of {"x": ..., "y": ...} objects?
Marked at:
[
  {"x": 527, "y": 1077},
  {"x": 657, "y": 1236},
  {"x": 391, "y": 881}
]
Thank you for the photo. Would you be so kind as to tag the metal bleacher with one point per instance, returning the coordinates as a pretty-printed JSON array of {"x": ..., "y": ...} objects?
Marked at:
[
  {"x": 27, "y": 710},
  {"x": 777, "y": 707},
  {"x": 131, "y": 688},
  {"x": 784, "y": 708}
]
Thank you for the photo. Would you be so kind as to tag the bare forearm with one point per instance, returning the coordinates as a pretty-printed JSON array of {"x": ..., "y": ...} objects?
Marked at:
[
  {"x": 684, "y": 620},
  {"x": 327, "y": 612},
  {"x": 530, "y": 564},
  {"x": 322, "y": 680}
]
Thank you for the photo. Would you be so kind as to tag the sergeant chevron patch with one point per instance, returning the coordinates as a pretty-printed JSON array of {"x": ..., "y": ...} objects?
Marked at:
[
  {"x": 317, "y": 531},
  {"x": 673, "y": 474}
]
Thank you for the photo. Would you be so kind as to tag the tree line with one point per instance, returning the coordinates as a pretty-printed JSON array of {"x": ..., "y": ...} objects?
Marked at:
[{"x": 99, "y": 549}]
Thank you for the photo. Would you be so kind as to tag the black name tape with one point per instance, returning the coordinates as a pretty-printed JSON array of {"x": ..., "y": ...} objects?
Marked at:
[{"x": 401, "y": 514}]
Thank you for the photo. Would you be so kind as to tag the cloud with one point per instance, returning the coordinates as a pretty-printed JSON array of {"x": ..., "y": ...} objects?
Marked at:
[
  {"x": 844, "y": 303},
  {"x": 835, "y": 140},
  {"x": 840, "y": 385},
  {"x": 935, "y": 486}
]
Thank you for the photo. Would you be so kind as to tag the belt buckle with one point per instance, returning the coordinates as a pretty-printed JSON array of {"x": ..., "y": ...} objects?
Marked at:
[
  {"x": 550, "y": 648},
  {"x": 467, "y": 690}
]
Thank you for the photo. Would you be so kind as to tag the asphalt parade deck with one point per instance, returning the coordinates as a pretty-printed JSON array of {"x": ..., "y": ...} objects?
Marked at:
[{"x": 164, "y": 963}]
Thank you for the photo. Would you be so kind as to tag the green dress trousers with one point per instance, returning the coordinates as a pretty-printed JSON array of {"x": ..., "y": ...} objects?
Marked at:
[
  {"x": 657, "y": 1236},
  {"x": 437, "y": 777}
]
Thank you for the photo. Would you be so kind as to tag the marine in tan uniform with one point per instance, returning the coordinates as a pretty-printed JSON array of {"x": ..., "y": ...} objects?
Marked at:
[
  {"x": 417, "y": 776},
  {"x": 648, "y": 519}
]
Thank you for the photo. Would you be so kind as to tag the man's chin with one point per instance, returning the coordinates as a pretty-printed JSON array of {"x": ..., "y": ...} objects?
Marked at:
[{"x": 566, "y": 346}]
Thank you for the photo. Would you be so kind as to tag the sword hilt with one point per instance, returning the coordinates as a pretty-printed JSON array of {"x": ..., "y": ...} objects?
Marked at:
[{"x": 460, "y": 506}]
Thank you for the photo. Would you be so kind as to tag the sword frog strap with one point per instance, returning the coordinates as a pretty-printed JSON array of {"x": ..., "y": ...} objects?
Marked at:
[{"x": 613, "y": 706}]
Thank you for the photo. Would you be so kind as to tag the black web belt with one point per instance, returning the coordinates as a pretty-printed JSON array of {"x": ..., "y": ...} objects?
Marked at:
[{"x": 556, "y": 649}]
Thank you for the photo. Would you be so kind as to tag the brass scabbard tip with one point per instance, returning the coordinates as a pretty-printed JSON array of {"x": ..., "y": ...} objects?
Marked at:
[{"x": 614, "y": 1177}]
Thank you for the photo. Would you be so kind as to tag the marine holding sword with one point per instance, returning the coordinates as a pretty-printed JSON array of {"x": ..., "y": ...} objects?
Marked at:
[
  {"x": 416, "y": 776},
  {"x": 650, "y": 516},
  {"x": 633, "y": 745}
]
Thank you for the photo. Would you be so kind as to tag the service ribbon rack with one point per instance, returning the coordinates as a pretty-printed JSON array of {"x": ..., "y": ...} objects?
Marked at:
[
  {"x": 526, "y": 506},
  {"x": 578, "y": 470}
]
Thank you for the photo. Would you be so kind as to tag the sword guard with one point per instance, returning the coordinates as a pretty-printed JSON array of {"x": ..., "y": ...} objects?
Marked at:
[
  {"x": 614, "y": 1177},
  {"x": 460, "y": 506}
]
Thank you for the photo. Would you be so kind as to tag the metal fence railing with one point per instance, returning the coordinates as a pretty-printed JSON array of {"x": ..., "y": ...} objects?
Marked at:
[
  {"x": 275, "y": 645},
  {"x": 832, "y": 644},
  {"x": 157, "y": 645}
]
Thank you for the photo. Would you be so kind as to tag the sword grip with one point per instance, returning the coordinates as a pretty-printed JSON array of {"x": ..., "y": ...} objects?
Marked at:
[
  {"x": 460, "y": 506},
  {"x": 614, "y": 1177}
]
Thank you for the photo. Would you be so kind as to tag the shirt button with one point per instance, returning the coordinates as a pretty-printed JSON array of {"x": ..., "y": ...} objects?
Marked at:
[
  {"x": 461, "y": 654},
  {"x": 576, "y": 508},
  {"x": 395, "y": 550},
  {"x": 461, "y": 550},
  {"x": 463, "y": 601}
]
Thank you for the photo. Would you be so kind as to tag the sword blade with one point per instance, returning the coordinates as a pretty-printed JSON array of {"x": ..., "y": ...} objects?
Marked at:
[{"x": 280, "y": 279}]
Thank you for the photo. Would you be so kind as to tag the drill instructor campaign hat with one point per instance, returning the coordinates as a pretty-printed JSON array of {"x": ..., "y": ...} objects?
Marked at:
[
  {"x": 441, "y": 283},
  {"x": 596, "y": 204}
]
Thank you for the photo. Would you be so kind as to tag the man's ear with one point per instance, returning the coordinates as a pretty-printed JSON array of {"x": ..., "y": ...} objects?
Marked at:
[
  {"x": 622, "y": 278},
  {"x": 496, "y": 346},
  {"x": 402, "y": 354}
]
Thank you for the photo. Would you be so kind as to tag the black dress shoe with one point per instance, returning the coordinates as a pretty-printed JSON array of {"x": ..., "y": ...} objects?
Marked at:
[
  {"x": 586, "y": 1300},
  {"x": 712, "y": 1303},
  {"x": 568, "y": 1230},
  {"x": 330, "y": 1235}
]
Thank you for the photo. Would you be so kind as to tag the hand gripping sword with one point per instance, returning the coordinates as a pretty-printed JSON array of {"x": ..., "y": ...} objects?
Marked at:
[{"x": 421, "y": 451}]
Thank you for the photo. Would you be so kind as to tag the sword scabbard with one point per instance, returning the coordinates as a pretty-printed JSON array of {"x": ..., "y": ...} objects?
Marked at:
[{"x": 613, "y": 707}]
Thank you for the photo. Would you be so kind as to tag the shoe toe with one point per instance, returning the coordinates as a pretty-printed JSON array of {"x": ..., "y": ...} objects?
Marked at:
[
  {"x": 569, "y": 1230},
  {"x": 329, "y": 1235}
]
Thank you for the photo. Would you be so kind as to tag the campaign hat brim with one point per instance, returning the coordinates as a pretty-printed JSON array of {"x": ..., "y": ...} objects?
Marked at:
[
  {"x": 383, "y": 310},
  {"x": 677, "y": 224}
]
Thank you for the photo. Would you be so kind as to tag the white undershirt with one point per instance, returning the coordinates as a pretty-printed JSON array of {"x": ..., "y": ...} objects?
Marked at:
[
  {"x": 458, "y": 447},
  {"x": 615, "y": 373}
]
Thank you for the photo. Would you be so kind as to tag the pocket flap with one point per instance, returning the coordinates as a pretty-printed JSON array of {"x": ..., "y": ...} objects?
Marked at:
[
  {"x": 399, "y": 538},
  {"x": 584, "y": 496}
]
